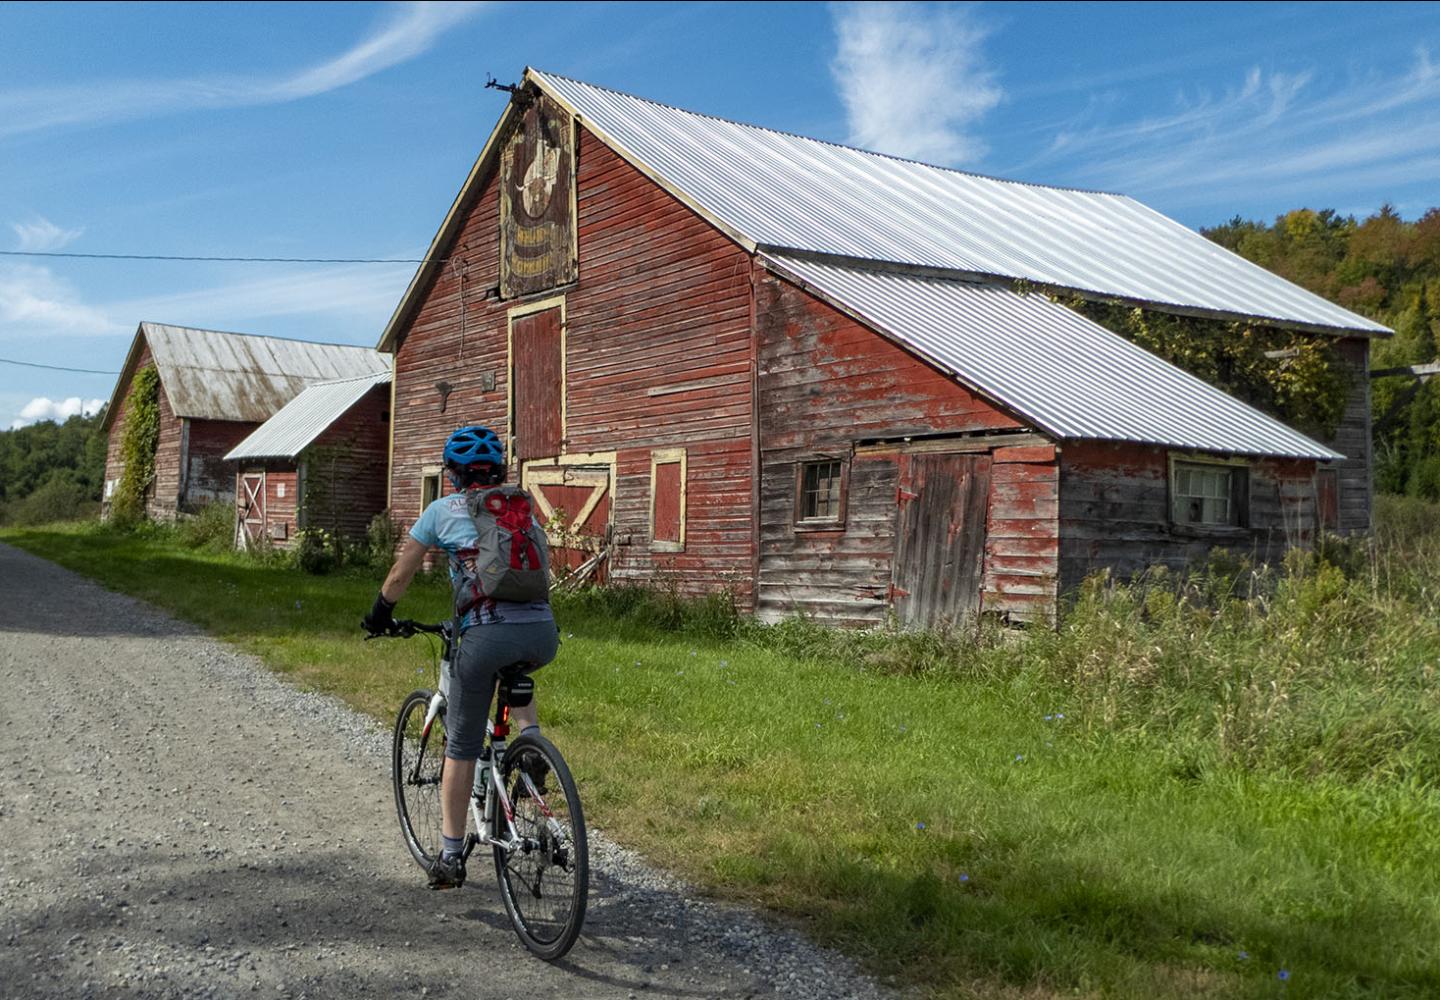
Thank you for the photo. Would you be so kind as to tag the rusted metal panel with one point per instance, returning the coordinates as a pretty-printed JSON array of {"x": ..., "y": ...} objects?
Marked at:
[
  {"x": 537, "y": 354},
  {"x": 537, "y": 201},
  {"x": 940, "y": 538}
]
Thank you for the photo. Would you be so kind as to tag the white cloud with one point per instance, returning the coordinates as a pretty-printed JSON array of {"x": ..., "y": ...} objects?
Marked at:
[
  {"x": 41, "y": 234},
  {"x": 1272, "y": 134},
  {"x": 33, "y": 301},
  {"x": 42, "y": 408},
  {"x": 408, "y": 31},
  {"x": 914, "y": 80}
]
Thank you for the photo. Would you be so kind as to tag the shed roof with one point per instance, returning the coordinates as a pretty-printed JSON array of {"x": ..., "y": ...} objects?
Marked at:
[
  {"x": 303, "y": 419},
  {"x": 1052, "y": 366},
  {"x": 213, "y": 375},
  {"x": 774, "y": 190}
]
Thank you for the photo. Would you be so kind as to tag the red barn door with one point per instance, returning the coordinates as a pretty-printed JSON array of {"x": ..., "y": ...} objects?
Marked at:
[
  {"x": 537, "y": 377},
  {"x": 940, "y": 537}
]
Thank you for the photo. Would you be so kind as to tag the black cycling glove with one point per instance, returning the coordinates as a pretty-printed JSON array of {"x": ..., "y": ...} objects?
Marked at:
[{"x": 381, "y": 616}]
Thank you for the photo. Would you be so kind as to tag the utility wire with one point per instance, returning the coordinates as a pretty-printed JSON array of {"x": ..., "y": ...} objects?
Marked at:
[
  {"x": 56, "y": 368},
  {"x": 227, "y": 260}
]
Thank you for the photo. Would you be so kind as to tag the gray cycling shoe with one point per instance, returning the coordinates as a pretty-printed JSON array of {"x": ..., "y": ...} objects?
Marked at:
[{"x": 447, "y": 872}]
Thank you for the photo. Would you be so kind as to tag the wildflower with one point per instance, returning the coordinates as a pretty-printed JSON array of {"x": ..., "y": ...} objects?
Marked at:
[
  {"x": 1059, "y": 715},
  {"x": 724, "y": 664},
  {"x": 1019, "y": 757},
  {"x": 693, "y": 653},
  {"x": 964, "y": 876},
  {"x": 920, "y": 825},
  {"x": 1049, "y": 718},
  {"x": 569, "y": 635},
  {"x": 1284, "y": 975},
  {"x": 297, "y": 605},
  {"x": 1244, "y": 955},
  {"x": 902, "y": 729}
]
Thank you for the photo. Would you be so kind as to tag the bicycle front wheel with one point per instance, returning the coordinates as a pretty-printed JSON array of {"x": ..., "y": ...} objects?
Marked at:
[
  {"x": 417, "y": 764},
  {"x": 546, "y": 880}
]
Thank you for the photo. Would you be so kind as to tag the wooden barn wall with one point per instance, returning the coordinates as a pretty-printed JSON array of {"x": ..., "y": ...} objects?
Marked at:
[
  {"x": 282, "y": 493},
  {"x": 1022, "y": 547},
  {"x": 1353, "y": 440},
  {"x": 161, "y": 497},
  {"x": 826, "y": 382},
  {"x": 658, "y": 356},
  {"x": 344, "y": 482},
  {"x": 1114, "y": 512},
  {"x": 208, "y": 477}
]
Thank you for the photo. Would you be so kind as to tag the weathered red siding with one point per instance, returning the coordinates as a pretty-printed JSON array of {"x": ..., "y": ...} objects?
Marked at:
[
  {"x": 208, "y": 478},
  {"x": 1114, "y": 512},
  {"x": 826, "y": 384},
  {"x": 657, "y": 355}
]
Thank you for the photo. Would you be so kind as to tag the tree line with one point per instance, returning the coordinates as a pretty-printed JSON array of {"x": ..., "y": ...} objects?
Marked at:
[{"x": 51, "y": 471}]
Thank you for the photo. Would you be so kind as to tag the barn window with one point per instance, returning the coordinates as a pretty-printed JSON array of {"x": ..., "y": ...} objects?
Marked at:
[
  {"x": 667, "y": 500},
  {"x": 429, "y": 487},
  {"x": 1208, "y": 495},
  {"x": 820, "y": 494}
]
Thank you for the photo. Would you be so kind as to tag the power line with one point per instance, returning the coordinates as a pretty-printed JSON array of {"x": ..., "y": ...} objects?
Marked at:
[
  {"x": 55, "y": 368},
  {"x": 224, "y": 260}
]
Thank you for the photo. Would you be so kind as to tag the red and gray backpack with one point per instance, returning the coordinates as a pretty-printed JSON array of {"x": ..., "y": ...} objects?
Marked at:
[{"x": 511, "y": 560}]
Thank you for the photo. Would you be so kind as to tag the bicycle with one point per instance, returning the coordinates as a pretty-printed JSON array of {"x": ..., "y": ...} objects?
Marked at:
[{"x": 542, "y": 860}]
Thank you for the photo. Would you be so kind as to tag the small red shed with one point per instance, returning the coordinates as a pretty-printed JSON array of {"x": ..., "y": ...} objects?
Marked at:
[
  {"x": 725, "y": 356},
  {"x": 320, "y": 462}
]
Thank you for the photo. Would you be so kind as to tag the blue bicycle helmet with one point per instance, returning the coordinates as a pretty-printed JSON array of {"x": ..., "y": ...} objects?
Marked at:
[{"x": 475, "y": 455}]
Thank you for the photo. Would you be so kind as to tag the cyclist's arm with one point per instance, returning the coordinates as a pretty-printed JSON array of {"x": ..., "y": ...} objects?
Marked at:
[{"x": 407, "y": 564}]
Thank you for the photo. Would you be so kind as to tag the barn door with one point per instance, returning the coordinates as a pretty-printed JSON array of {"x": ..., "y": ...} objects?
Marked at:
[
  {"x": 250, "y": 514},
  {"x": 940, "y": 538},
  {"x": 537, "y": 379},
  {"x": 574, "y": 504}
]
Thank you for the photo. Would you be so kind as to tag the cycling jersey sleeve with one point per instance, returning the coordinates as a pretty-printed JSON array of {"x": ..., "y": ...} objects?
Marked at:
[{"x": 424, "y": 530}]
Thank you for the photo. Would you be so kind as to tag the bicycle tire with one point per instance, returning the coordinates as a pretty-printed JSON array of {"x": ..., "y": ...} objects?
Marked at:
[
  {"x": 417, "y": 797},
  {"x": 548, "y": 925}
]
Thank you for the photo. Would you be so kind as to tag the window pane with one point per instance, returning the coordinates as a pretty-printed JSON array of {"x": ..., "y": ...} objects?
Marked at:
[{"x": 820, "y": 490}]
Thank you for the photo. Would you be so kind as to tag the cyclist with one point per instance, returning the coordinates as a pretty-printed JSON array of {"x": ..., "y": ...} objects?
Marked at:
[{"x": 496, "y": 634}]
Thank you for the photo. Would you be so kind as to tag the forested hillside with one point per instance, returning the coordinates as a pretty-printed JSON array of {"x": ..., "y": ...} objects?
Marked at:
[
  {"x": 50, "y": 470},
  {"x": 1385, "y": 268}
]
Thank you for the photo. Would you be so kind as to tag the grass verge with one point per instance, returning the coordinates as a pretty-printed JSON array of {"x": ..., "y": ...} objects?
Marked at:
[{"x": 1069, "y": 814}]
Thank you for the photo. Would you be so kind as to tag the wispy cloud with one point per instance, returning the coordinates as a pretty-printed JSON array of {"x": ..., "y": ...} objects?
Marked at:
[
  {"x": 358, "y": 296},
  {"x": 914, "y": 80},
  {"x": 40, "y": 234},
  {"x": 43, "y": 408},
  {"x": 1269, "y": 133},
  {"x": 34, "y": 301},
  {"x": 406, "y": 32}
]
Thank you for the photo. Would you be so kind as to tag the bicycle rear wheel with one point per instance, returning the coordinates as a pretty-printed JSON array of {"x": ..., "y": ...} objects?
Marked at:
[
  {"x": 417, "y": 763},
  {"x": 546, "y": 882}
]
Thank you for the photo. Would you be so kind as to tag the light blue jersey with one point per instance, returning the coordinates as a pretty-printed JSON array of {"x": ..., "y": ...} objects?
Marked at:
[{"x": 447, "y": 524}]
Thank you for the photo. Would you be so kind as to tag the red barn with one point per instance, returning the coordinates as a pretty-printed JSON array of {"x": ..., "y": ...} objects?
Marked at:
[
  {"x": 215, "y": 389},
  {"x": 730, "y": 357}
]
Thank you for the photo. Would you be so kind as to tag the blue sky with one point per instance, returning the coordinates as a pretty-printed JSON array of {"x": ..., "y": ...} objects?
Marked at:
[{"x": 344, "y": 130}]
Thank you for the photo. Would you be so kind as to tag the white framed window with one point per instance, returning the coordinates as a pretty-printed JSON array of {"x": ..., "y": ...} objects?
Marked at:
[
  {"x": 1208, "y": 494},
  {"x": 429, "y": 486}
]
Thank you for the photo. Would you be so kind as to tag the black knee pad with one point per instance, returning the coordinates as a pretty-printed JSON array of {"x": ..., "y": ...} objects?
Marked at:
[{"x": 518, "y": 691}]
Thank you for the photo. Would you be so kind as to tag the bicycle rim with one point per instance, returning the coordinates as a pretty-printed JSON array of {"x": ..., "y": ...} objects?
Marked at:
[
  {"x": 416, "y": 765},
  {"x": 545, "y": 887}
]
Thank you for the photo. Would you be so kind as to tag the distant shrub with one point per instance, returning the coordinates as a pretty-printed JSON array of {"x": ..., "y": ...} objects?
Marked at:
[
  {"x": 381, "y": 537},
  {"x": 212, "y": 527},
  {"x": 317, "y": 551},
  {"x": 58, "y": 499}
]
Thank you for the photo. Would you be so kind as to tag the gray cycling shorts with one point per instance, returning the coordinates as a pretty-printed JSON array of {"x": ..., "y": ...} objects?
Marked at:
[{"x": 470, "y": 687}]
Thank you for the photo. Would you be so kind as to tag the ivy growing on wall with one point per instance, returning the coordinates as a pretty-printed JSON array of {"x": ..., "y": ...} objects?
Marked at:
[
  {"x": 1297, "y": 377},
  {"x": 139, "y": 439}
]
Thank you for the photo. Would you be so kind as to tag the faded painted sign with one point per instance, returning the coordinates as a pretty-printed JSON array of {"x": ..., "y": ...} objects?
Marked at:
[{"x": 537, "y": 201}]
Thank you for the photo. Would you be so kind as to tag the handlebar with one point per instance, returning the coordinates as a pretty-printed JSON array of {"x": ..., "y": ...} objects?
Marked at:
[{"x": 404, "y": 628}]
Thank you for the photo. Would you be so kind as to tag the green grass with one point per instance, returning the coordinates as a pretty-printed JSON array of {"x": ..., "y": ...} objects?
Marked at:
[{"x": 1244, "y": 770}]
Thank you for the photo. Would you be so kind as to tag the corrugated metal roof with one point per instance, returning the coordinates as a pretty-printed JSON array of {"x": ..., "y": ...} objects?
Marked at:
[
  {"x": 782, "y": 191},
  {"x": 213, "y": 375},
  {"x": 1052, "y": 366},
  {"x": 306, "y": 417}
]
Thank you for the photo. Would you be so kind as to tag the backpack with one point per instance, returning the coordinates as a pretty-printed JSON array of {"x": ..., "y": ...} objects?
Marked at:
[{"x": 511, "y": 559}]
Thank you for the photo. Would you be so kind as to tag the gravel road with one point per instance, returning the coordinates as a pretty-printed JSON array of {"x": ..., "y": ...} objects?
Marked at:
[{"x": 177, "y": 822}]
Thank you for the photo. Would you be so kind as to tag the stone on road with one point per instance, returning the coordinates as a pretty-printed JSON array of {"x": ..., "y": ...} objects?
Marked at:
[{"x": 175, "y": 821}]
